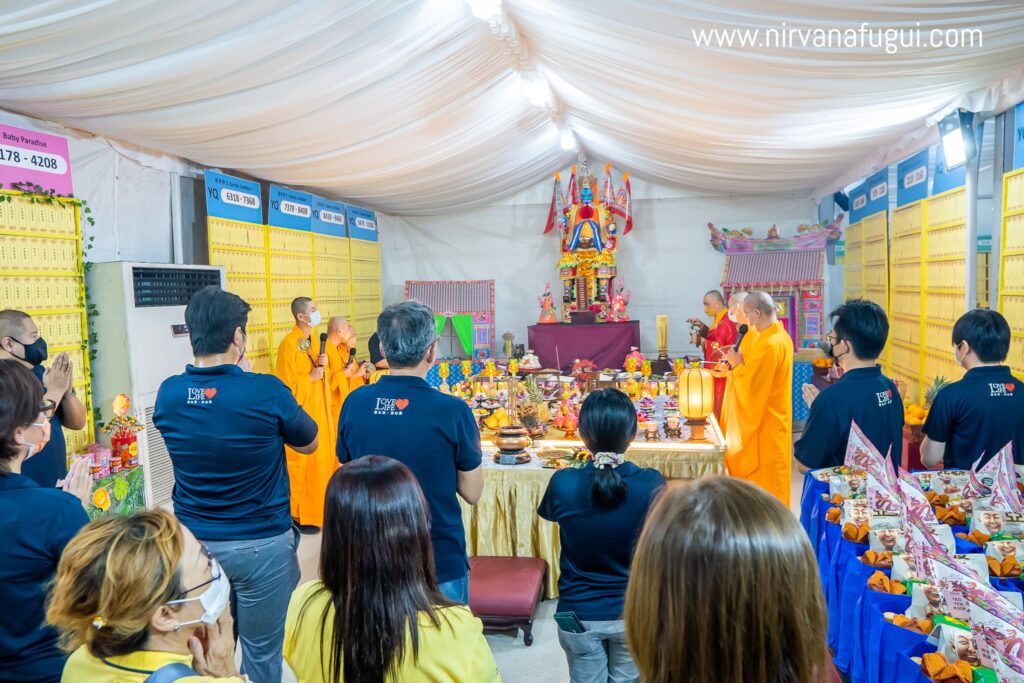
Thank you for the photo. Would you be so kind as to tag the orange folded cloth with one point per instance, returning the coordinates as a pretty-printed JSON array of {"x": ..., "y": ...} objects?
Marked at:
[
  {"x": 880, "y": 583},
  {"x": 1009, "y": 567},
  {"x": 834, "y": 515},
  {"x": 917, "y": 625},
  {"x": 936, "y": 498},
  {"x": 951, "y": 516},
  {"x": 856, "y": 532},
  {"x": 936, "y": 668},
  {"x": 877, "y": 559},
  {"x": 837, "y": 499},
  {"x": 975, "y": 537}
]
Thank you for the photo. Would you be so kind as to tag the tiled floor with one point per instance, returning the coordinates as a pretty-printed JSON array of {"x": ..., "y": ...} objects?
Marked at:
[{"x": 544, "y": 661}]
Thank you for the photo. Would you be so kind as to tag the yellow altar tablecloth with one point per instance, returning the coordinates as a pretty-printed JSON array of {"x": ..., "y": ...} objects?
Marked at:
[{"x": 504, "y": 521}]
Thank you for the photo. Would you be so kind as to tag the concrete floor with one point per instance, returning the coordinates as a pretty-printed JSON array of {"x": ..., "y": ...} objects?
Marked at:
[{"x": 542, "y": 662}]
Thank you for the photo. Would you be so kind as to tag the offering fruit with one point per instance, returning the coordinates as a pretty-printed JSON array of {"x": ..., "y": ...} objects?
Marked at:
[{"x": 101, "y": 499}]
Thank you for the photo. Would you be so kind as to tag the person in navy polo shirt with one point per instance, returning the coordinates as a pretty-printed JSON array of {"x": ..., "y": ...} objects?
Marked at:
[
  {"x": 36, "y": 522},
  {"x": 20, "y": 340},
  {"x": 972, "y": 419},
  {"x": 433, "y": 434},
  {"x": 862, "y": 395},
  {"x": 226, "y": 430}
]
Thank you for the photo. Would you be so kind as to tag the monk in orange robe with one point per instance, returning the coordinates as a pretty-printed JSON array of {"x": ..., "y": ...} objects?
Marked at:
[
  {"x": 345, "y": 374},
  {"x": 302, "y": 368},
  {"x": 737, "y": 315},
  {"x": 715, "y": 339},
  {"x": 759, "y": 425}
]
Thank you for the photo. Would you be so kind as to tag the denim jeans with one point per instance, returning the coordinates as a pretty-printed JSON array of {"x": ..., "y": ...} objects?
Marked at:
[
  {"x": 263, "y": 574},
  {"x": 599, "y": 654},
  {"x": 457, "y": 590}
]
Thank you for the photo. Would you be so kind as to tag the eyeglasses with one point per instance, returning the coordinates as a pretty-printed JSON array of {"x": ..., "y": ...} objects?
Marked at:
[
  {"x": 48, "y": 408},
  {"x": 214, "y": 575}
]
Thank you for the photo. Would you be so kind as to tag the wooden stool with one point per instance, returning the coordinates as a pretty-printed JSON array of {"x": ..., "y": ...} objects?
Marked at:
[{"x": 504, "y": 591}]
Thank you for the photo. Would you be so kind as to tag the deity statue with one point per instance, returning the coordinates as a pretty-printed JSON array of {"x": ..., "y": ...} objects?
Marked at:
[
  {"x": 547, "y": 306},
  {"x": 588, "y": 239}
]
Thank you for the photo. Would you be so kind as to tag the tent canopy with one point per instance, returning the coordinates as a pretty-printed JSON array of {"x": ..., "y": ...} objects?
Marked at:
[{"x": 419, "y": 106}]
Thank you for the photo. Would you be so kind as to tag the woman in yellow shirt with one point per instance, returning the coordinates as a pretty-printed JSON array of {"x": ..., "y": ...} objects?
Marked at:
[
  {"x": 376, "y": 615},
  {"x": 138, "y": 594}
]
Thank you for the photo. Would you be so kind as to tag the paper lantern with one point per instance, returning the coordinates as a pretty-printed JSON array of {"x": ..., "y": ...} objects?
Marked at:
[{"x": 696, "y": 399}]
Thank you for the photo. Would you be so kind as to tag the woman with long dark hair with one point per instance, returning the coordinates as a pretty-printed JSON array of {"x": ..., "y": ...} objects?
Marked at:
[
  {"x": 725, "y": 588},
  {"x": 376, "y": 615},
  {"x": 600, "y": 510}
]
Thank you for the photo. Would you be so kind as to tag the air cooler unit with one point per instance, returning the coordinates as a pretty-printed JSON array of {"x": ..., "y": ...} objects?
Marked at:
[{"x": 141, "y": 340}]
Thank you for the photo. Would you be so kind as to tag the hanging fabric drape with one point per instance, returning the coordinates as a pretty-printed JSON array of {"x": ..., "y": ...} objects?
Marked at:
[
  {"x": 413, "y": 107},
  {"x": 463, "y": 326}
]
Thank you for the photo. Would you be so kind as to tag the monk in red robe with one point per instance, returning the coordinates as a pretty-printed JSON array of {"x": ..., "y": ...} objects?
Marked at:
[{"x": 715, "y": 339}]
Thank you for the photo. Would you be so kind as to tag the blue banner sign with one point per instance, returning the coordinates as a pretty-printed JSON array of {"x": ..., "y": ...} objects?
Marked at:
[
  {"x": 328, "y": 217},
  {"x": 912, "y": 175},
  {"x": 1018, "y": 136},
  {"x": 870, "y": 197},
  {"x": 290, "y": 208},
  {"x": 234, "y": 198},
  {"x": 362, "y": 224}
]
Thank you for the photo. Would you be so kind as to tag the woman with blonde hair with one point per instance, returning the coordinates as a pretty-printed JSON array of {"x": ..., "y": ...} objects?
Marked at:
[
  {"x": 138, "y": 599},
  {"x": 724, "y": 587}
]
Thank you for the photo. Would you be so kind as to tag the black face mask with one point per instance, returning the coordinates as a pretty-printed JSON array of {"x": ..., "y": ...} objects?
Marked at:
[{"x": 35, "y": 353}]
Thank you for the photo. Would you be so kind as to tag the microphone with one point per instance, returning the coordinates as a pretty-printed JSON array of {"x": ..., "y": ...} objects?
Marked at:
[
  {"x": 351, "y": 357},
  {"x": 323, "y": 343},
  {"x": 743, "y": 332}
]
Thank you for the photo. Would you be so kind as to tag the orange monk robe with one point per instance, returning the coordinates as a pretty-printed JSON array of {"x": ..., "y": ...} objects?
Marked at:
[
  {"x": 341, "y": 385},
  {"x": 759, "y": 436},
  {"x": 745, "y": 345},
  {"x": 721, "y": 335},
  {"x": 308, "y": 474}
]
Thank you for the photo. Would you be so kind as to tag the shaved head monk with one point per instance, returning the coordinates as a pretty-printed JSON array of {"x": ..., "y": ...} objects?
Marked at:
[
  {"x": 302, "y": 368},
  {"x": 759, "y": 424},
  {"x": 345, "y": 373},
  {"x": 714, "y": 339}
]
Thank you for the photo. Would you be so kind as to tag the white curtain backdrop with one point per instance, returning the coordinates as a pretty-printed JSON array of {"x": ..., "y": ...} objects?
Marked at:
[
  {"x": 666, "y": 261},
  {"x": 413, "y": 107}
]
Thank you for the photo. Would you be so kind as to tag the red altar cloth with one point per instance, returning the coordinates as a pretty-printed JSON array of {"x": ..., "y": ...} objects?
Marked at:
[{"x": 604, "y": 343}]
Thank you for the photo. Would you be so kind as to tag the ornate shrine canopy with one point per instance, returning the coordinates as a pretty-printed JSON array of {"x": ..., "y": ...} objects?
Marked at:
[{"x": 774, "y": 269}]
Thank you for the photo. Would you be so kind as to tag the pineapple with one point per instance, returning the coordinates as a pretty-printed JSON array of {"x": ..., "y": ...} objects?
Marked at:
[
  {"x": 530, "y": 412},
  {"x": 937, "y": 385}
]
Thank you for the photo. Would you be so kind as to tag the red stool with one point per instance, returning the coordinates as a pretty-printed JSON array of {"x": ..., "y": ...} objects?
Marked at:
[{"x": 504, "y": 591}]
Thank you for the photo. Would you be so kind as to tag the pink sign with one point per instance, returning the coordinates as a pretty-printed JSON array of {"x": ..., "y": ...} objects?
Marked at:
[{"x": 28, "y": 156}]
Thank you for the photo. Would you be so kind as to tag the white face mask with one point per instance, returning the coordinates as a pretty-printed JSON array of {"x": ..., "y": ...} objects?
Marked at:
[
  {"x": 213, "y": 600},
  {"x": 959, "y": 358},
  {"x": 314, "y": 318},
  {"x": 34, "y": 448}
]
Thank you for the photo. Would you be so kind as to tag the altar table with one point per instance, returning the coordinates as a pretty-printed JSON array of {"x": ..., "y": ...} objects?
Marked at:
[
  {"x": 504, "y": 521},
  {"x": 604, "y": 343}
]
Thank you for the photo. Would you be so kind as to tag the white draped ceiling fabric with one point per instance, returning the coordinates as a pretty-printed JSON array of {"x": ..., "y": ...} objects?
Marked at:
[{"x": 416, "y": 107}]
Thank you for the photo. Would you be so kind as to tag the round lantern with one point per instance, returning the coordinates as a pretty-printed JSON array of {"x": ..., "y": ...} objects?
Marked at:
[{"x": 696, "y": 399}]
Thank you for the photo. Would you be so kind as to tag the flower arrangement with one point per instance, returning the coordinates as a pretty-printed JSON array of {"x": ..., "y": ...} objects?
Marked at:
[
  {"x": 123, "y": 429},
  {"x": 580, "y": 367}
]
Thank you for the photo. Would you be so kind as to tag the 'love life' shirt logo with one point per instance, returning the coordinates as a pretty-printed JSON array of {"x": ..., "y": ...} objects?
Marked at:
[
  {"x": 390, "y": 406},
  {"x": 198, "y": 396},
  {"x": 1000, "y": 389},
  {"x": 884, "y": 397}
]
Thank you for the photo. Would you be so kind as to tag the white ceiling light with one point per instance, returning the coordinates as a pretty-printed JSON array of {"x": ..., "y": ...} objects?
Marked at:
[
  {"x": 567, "y": 140},
  {"x": 486, "y": 10}
]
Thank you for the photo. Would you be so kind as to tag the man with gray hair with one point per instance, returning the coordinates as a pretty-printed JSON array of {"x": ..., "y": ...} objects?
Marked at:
[{"x": 433, "y": 434}]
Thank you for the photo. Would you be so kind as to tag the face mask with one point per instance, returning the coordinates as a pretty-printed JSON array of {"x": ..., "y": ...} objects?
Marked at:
[
  {"x": 213, "y": 600},
  {"x": 241, "y": 351},
  {"x": 832, "y": 350},
  {"x": 35, "y": 353},
  {"x": 708, "y": 312},
  {"x": 959, "y": 358},
  {"x": 34, "y": 448},
  {"x": 314, "y": 318}
]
